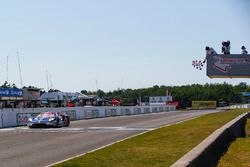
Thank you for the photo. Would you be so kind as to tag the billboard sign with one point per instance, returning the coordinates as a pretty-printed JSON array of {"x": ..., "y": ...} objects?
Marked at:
[
  {"x": 91, "y": 114},
  {"x": 71, "y": 114},
  {"x": 246, "y": 94},
  {"x": 175, "y": 103},
  {"x": 228, "y": 66},
  {"x": 31, "y": 94},
  {"x": 125, "y": 111},
  {"x": 203, "y": 104},
  {"x": 11, "y": 92},
  {"x": 110, "y": 112},
  {"x": 159, "y": 99},
  {"x": 22, "y": 118}
]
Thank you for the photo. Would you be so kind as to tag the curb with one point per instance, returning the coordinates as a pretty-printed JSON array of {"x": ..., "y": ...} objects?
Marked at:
[{"x": 209, "y": 151}]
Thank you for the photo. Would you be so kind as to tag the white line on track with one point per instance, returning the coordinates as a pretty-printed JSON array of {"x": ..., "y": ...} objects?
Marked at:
[
  {"x": 120, "y": 128},
  {"x": 75, "y": 130},
  {"x": 6, "y": 129}
]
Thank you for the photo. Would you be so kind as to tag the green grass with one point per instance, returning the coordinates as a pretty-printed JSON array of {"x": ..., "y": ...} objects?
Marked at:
[
  {"x": 238, "y": 154},
  {"x": 158, "y": 148}
]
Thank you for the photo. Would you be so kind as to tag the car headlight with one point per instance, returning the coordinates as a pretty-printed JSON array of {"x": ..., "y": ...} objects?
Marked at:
[
  {"x": 52, "y": 119},
  {"x": 30, "y": 120}
]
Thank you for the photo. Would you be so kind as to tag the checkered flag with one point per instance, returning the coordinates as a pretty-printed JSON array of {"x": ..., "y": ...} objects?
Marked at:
[{"x": 197, "y": 64}]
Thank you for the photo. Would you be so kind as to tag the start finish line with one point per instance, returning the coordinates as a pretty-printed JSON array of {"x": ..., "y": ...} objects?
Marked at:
[{"x": 228, "y": 66}]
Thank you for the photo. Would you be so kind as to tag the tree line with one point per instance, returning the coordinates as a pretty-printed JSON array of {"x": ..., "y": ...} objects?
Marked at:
[
  {"x": 185, "y": 94},
  {"x": 226, "y": 93}
]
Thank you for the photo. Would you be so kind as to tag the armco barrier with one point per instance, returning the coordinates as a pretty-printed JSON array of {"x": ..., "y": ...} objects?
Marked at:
[
  {"x": 208, "y": 152},
  {"x": 19, "y": 116}
]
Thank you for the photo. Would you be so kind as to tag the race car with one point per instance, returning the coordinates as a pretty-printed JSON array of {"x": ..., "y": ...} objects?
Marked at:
[{"x": 49, "y": 119}]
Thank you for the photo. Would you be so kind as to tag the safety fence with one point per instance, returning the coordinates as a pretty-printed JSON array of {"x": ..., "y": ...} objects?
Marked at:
[{"x": 20, "y": 116}]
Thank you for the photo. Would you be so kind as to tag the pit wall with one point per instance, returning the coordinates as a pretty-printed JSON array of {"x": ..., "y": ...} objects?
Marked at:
[{"x": 20, "y": 116}]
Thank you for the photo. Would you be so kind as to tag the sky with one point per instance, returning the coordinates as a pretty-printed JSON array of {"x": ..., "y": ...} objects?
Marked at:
[{"x": 88, "y": 45}]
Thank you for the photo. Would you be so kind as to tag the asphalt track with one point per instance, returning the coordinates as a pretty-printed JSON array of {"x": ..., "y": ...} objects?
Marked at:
[{"x": 21, "y": 146}]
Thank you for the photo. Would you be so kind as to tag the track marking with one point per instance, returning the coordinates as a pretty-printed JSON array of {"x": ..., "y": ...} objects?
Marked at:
[
  {"x": 7, "y": 129},
  {"x": 76, "y": 130},
  {"x": 120, "y": 128}
]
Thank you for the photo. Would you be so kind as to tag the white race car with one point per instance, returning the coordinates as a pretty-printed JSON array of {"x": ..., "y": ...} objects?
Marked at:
[{"x": 49, "y": 119}]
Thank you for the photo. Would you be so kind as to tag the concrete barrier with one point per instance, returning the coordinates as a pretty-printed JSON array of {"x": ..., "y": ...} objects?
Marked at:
[
  {"x": 208, "y": 152},
  {"x": 19, "y": 116},
  {"x": 239, "y": 106}
]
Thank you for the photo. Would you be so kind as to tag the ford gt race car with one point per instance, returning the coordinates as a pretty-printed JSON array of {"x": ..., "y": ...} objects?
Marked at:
[{"x": 49, "y": 119}]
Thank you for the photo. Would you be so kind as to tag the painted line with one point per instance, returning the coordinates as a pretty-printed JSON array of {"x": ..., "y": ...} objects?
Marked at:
[
  {"x": 80, "y": 130},
  {"x": 12, "y": 129},
  {"x": 120, "y": 128},
  {"x": 6, "y": 129},
  {"x": 121, "y": 141}
]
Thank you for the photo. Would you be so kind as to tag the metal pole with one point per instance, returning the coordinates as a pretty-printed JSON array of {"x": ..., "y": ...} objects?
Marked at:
[
  {"x": 19, "y": 66},
  {"x": 47, "y": 78},
  {"x": 7, "y": 69}
]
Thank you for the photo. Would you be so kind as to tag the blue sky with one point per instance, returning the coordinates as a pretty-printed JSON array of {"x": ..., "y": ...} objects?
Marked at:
[{"x": 118, "y": 43}]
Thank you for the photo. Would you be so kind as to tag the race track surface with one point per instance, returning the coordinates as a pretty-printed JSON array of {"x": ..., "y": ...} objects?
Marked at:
[{"x": 21, "y": 146}]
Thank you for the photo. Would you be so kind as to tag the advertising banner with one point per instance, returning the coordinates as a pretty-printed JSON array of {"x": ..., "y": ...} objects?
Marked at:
[
  {"x": 167, "y": 108},
  {"x": 22, "y": 118},
  {"x": 91, "y": 114},
  {"x": 125, "y": 111},
  {"x": 146, "y": 110},
  {"x": 11, "y": 92},
  {"x": 175, "y": 103},
  {"x": 71, "y": 114},
  {"x": 31, "y": 94},
  {"x": 88, "y": 114},
  {"x": 161, "y": 109},
  {"x": 159, "y": 99},
  {"x": 246, "y": 94},
  {"x": 110, "y": 112},
  {"x": 228, "y": 66},
  {"x": 203, "y": 104},
  {"x": 137, "y": 110},
  {"x": 154, "y": 109}
]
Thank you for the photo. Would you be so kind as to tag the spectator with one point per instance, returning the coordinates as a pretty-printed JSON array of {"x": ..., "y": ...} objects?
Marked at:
[
  {"x": 225, "y": 47},
  {"x": 244, "y": 51},
  {"x": 209, "y": 51}
]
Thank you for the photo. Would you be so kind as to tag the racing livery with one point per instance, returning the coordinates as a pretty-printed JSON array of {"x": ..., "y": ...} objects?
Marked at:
[{"x": 49, "y": 119}]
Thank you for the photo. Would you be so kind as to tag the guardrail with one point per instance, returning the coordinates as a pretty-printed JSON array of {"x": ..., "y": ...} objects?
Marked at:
[
  {"x": 18, "y": 117},
  {"x": 208, "y": 152}
]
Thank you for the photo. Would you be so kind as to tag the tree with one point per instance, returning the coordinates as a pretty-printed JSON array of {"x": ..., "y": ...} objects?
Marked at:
[
  {"x": 8, "y": 85},
  {"x": 100, "y": 93},
  {"x": 14, "y": 85},
  {"x": 185, "y": 93},
  {"x": 54, "y": 90},
  {"x": 84, "y": 92}
]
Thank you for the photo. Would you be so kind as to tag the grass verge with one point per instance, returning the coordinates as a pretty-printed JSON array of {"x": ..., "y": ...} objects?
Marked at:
[
  {"x": 158, "y": 148},
  {"x": 238, "y": 154}
]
